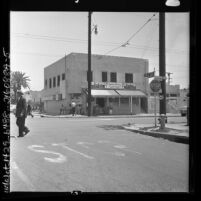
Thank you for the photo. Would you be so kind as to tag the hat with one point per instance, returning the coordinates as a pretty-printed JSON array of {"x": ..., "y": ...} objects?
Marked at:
[{"x": 19, "y": 91}]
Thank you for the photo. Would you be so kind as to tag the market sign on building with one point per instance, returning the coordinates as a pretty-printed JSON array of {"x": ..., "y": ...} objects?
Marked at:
[
  {"x": 155, "y": 85},
  {"x": 114, "y": 86},
  {"x": 149, "y": 75}
]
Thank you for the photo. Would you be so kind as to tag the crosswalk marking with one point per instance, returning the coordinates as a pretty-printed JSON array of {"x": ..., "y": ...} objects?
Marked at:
[{"x": 22, "y": 176}]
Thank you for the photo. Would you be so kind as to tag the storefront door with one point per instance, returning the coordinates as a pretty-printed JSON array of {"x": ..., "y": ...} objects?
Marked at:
[{"x": 100, "y": 102}]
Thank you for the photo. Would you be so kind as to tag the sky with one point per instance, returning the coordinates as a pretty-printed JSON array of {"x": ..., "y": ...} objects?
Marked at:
[{"x": 37, "y": 39}]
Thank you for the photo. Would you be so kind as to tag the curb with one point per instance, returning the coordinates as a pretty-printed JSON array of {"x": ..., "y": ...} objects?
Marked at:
[
  {"x": 51, "y": 116},
  {"x": 106, "y": 116},
  {"x": 174, "y": 138}
]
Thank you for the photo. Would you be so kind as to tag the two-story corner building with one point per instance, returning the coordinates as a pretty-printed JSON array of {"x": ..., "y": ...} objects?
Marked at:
[{"x": 118, "y": 84}]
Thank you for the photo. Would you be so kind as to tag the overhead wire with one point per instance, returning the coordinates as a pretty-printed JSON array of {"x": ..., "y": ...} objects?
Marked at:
[
  {"x": 127, "y": 42},
  {"x": 102, "y": 43},
  {"x": 36, "y": 54}
]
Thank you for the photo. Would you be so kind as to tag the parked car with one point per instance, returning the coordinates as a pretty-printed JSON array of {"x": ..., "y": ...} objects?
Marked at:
[
  {"x": 12, "y": 108},
  {"x": 183, "y": 110}
]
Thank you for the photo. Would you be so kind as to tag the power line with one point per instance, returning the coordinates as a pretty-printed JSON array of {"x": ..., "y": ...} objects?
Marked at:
[
  {"x": 150, "y": 39},
  {"x": 127, "y": 42},
  {"x": 38, "y": 54},
  {"x": 101, "y": 43},
  {"x": 140, "y": 28},
  {"x": 170, "y": 65}
]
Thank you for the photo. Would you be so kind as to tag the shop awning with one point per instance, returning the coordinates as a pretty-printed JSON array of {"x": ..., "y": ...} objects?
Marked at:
[
  {"x": 130, "y": 93},
  {"x": 101, "y": 92}
]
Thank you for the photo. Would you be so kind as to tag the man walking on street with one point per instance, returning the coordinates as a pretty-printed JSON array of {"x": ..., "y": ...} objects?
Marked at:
[{"x": 21, "y": 114}]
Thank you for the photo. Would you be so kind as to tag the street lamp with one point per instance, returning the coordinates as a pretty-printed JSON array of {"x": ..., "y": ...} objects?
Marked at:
[{"x": 173, "y": 3}]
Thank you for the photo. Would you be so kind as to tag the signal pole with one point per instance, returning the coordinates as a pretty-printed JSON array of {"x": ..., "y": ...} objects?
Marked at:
[
  {"x": 89, "y": 65},
  {"x": 162, "y": 69}
]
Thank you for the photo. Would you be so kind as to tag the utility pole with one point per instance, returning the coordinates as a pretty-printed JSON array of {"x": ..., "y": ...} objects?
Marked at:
[
  {"x": 89, "y": 65},
  {"x": 162, "y": 69}
]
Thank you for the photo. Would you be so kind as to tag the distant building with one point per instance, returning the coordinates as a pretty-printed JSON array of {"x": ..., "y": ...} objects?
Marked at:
[
  {"x": 117, "y": 83},
  {"x": 175, "y": 99},
  {"x": 34, "y": 98},
  {"x": 184, "y": 97},
  {"x": 172, "y": 99}
]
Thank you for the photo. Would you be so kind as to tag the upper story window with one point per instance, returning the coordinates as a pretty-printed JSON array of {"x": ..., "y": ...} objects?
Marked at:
[
  {"x": 63, "y": 76},
  {"x": 104, "y": 76},
  {"x": 54, "y": 81},
  {"x": 173, "y": 95},
  {"x": 113, "y": 77},
  {"x": 58, "y": 80},
  {"x": 129, "y": 78},
  {"x": 50, "y": 83},
  {"x": 45, "y": 84},
  {"x": 91, "y": 76}
]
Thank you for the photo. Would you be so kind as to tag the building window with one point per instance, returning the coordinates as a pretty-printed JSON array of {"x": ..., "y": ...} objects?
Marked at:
[
  {"x": 91, "y": 76},
  {"x": 45, "y": 84},
  {"x": 129, "y": 78},
  {"x": 173, "y": 95},
  {"x": 50, "y": 83},
  {"x": 63, "y": 76},
  {"x": 58, "y": 80},
  {"x": 54, "y": 81},
  {"x": 104, "y": 76},
  {"x": 113, "y": 77}
]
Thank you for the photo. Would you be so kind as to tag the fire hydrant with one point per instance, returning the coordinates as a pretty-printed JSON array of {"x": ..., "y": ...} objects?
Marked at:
[{"x": 162, "y": 121}]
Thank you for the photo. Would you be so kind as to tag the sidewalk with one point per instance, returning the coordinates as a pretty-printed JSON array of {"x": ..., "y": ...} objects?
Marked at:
[
  {"x": 176, "y": 132},
  {"x": 106, "y": 116}
]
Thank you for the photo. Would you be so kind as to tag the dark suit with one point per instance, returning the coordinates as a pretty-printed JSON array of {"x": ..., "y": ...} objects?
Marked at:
[{"x": 21, "y": 115}]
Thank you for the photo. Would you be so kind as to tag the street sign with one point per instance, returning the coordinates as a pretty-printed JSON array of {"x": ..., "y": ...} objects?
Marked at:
[
  {"x": 159, "y": 78},
  {"x": 155, "y": 85},
  {"x": 149, "y": 75}
]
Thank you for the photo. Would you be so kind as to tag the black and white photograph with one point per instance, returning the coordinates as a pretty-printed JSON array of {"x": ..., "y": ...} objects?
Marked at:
[{"x": 99, "y": 101}]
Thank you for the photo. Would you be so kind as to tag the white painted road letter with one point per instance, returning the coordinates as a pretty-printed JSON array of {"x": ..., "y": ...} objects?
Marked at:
[{"x": 59, "y": 159}]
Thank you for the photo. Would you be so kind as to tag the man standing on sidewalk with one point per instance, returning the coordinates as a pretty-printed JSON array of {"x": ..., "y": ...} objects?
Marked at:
[
  {"x": 21, "y": 114},
  {"x": 73, "y": 104}
]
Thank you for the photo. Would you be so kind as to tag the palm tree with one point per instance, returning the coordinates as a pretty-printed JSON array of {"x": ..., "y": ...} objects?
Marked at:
[{"x": 18, "y": 80}]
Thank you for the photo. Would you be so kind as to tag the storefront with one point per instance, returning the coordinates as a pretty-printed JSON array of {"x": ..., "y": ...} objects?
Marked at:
[{"x": 117, "y": 101}]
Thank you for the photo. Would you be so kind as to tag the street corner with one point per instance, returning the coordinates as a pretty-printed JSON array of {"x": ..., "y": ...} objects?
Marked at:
[{"x": 171, "y": 134}]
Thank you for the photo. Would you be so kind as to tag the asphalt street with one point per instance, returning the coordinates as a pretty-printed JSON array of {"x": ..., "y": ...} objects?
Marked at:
[{"x": 95, "y": 155}]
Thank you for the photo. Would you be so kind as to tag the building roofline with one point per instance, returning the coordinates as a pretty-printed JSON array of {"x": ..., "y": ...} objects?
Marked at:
[
  {"x": 96, "y": 55},
  {"x": 101, "y": 55}
]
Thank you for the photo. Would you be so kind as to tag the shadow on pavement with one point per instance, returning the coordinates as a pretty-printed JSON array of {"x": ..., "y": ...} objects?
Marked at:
[{"x": 111, "y": 127}]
